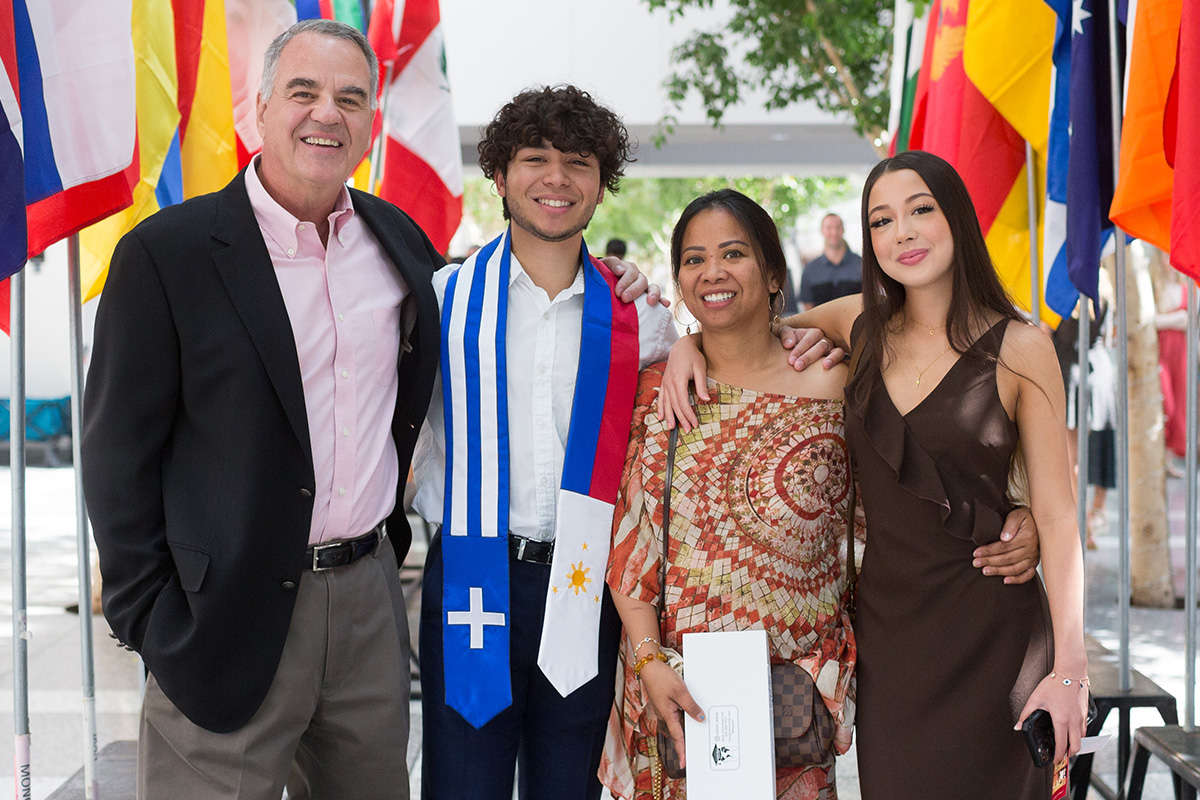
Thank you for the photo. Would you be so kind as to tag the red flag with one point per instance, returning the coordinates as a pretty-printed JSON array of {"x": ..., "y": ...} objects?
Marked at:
[
  {"x": 422, "y": 156},
  {"x": 1185, "y": 212},
  {"x": 956, "y": 122}
]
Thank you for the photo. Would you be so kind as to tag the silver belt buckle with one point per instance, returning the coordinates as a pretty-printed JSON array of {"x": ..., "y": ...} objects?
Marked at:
[{"x": 317, "y": 550}]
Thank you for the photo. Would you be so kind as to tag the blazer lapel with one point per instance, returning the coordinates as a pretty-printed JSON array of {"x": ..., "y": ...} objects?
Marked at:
[{"x": 246, "y": 270}]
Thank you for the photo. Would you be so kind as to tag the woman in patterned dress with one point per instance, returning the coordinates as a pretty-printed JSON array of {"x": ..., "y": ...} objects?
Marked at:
[
  {"x": 950, "y": 379},
  {"x": 758, "y": 504}
]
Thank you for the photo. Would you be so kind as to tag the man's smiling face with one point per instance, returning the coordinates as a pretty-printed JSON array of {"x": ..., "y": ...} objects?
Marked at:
[
  {"x": 316, "y": 121},
  {"x": 551, "y": 194}
]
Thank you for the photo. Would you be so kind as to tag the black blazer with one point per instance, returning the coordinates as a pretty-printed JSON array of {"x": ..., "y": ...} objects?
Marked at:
[{"x": 197, "y": 465}]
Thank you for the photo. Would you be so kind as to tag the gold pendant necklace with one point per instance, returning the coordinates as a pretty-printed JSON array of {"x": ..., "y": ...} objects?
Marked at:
[{"x": 921, "y": 373}]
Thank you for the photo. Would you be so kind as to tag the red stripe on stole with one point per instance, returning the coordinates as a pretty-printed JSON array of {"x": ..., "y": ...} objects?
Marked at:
[{"x": 618, "y": 400}]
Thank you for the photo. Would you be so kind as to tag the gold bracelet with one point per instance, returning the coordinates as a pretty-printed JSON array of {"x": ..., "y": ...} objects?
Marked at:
[
  {"x": 644, "y": 660},
  {"x": 1083, "y": 682},
  {"x": 647, "y": 640}
]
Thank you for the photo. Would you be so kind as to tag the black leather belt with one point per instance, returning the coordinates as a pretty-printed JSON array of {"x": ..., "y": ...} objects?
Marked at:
[
  {"x": 346, "y": 551},
  {"x": 531, "y": 550}
]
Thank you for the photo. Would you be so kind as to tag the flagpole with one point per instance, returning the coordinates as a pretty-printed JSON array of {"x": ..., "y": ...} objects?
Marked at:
[
  {"x": 82, "y": 536},
  {"x": 22, "y": 777},
  {"x": 377, "y": 148},
  {"x": 1035, "y": 271},
  {"x": 1190, "y": 531},
  {"x": 1123, "y": 588},
  {"x": 1082, "y": 421}
]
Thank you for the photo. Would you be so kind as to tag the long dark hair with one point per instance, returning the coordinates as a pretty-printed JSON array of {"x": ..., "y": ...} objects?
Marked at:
[
  {"x": 764, "y": 236},
  {"x": 975, "y": 288}
]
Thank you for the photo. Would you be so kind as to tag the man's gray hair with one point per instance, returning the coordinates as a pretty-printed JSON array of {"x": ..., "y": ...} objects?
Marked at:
[{"x": 322, "y": 27}]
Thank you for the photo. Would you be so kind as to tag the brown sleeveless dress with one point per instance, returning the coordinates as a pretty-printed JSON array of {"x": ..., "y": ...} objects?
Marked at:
[{"x": 947, "y": 657}]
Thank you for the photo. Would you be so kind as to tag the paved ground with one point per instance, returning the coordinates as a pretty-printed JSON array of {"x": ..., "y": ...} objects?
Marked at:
[{"x": 54, "y": 649}]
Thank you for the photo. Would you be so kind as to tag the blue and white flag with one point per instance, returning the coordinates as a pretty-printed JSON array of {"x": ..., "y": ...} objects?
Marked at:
[{"x": 1060, "y": 294}]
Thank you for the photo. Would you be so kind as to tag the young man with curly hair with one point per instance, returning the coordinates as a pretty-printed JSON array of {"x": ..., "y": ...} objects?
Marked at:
[{"x": 519, "y": 460}]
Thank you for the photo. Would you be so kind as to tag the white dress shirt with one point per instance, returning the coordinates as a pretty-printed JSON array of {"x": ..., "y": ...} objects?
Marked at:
[{"x": 542, "y": 345}]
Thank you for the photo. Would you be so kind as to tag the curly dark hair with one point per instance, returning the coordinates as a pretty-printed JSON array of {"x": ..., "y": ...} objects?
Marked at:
[{"x": 567, "y": 118}]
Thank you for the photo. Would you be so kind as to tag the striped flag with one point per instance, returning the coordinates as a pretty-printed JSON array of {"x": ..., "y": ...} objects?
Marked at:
[
  {"x": 908, "y": 50},
  {"x": 1060, "y": 294},
  {"x": 347, "y": 11},
  {"x": 422, "y": 156},
  {"x": 77, "y": 94},
  {"x": 14, "y": 243},
  {"x": 157, "y": 125},
  {"x": 1007, "y": 57},
  {"x": 186, "y": 140}
]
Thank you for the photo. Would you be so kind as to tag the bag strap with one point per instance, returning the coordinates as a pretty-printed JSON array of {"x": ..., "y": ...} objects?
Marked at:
[
  {"x": 851, "y": 562},
  {"x": 668, "y": 480}
]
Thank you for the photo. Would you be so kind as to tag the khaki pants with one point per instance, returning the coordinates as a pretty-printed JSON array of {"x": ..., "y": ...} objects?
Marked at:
[{"x": 334, "y": 724}]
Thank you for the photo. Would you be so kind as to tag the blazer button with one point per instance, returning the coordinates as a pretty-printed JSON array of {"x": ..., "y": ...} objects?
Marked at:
[
  {"x": 289, "y": 586},
  {"x": 305, "y": 492}
]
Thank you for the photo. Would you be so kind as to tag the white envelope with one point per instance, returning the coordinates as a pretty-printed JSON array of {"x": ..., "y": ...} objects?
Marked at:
[{"x": 732, "y": 753}]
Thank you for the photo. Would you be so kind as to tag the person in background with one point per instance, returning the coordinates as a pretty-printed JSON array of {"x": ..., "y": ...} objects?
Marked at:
[
  {"x": 837, "y": 272},
  {"x": 615, "y": 247}
]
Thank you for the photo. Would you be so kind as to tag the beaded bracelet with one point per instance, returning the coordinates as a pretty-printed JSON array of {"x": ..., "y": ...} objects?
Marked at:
[
  {"x": 644, "y": 660},
  {"x": 1068, "y": 681},
  {"x": 647, "y": 640}
]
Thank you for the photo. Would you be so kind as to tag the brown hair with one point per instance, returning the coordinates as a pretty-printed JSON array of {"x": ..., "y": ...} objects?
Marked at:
[{"x": 566, "y": 118}]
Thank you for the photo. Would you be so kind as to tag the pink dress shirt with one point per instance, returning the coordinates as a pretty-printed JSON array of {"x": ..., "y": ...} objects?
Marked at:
[{"x": 344, "y": 304}]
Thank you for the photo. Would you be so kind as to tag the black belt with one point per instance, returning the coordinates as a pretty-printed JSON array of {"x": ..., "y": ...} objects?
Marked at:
[
  {"x": 346, "y": 551},
  {"x": 531, "y": 550}
]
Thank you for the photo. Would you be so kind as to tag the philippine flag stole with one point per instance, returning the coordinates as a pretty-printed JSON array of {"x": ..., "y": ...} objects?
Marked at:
[{"x": 475, "y": 598}]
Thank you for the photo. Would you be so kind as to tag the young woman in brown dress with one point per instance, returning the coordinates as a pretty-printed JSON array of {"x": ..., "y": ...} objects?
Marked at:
[{"x": 950, "y": 380}]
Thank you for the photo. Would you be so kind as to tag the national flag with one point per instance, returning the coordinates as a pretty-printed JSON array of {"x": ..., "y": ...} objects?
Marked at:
[
  {"x": 14, "y": 243},
  {"x": 77, "y": 95},
  {"x": 1142, "y": 202},
  {"x": 157, "y": 125},
  {"x": 422, "y": 157},
  {"x": 1007, "y": 57},
  {"x": 1060, "y": 294},
  {"x": 347, "y": 11},
  {"x": 1185, "y": 216},
  {"x": 1090, "y": 161},
  {"x": 251, "y": 25},
  {"x": 955, "y": 121},
  {"x": 908, "y": 50},
  {"x": 208, "y": 150}
]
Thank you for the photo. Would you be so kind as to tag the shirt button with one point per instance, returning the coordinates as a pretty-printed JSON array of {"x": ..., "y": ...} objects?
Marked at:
[
  {"x": 345, "y": 373},
  {"x": 542, "y": 369},
  {"x": 291, "y": 251},
  {"x": 546, "y": 316},
  {"x": 342, "y": 490},
  {"x": 345, "y": 431},
  {"x": 341, "y": 238},
  {"x": 541, "y": 423},
  {"x": 300, "y": 226},
  {"x": 341, "y": 317},
  {"x": 288, "y": 586},
  {"x": 544, "y": 481}
]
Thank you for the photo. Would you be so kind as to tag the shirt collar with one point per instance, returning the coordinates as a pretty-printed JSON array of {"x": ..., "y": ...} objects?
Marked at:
[{"x": 279, "y": 223}]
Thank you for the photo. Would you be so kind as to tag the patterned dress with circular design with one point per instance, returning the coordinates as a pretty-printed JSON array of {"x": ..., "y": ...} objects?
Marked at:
[{"x": 757, "y": 542}]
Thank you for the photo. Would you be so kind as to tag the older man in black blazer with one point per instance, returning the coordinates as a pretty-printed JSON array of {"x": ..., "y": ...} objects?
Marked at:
[{"x": 263, "y": 359}]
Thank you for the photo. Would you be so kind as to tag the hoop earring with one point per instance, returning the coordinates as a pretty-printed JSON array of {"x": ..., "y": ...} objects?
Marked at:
[
  {"x": 775, "y": 309},
  {"x": 687, "y": 325}
]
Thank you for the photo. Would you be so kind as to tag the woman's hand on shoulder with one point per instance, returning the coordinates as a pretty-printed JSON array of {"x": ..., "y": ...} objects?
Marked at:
[{"x": 685, "y": 365}]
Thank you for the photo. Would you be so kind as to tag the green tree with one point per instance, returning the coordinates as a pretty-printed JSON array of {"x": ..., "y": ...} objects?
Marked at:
[{"x": 835, "y": 53}]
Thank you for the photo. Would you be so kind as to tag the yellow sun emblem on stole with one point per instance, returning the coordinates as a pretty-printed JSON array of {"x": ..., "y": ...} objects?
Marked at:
[{"x": 578, "y": 577}]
